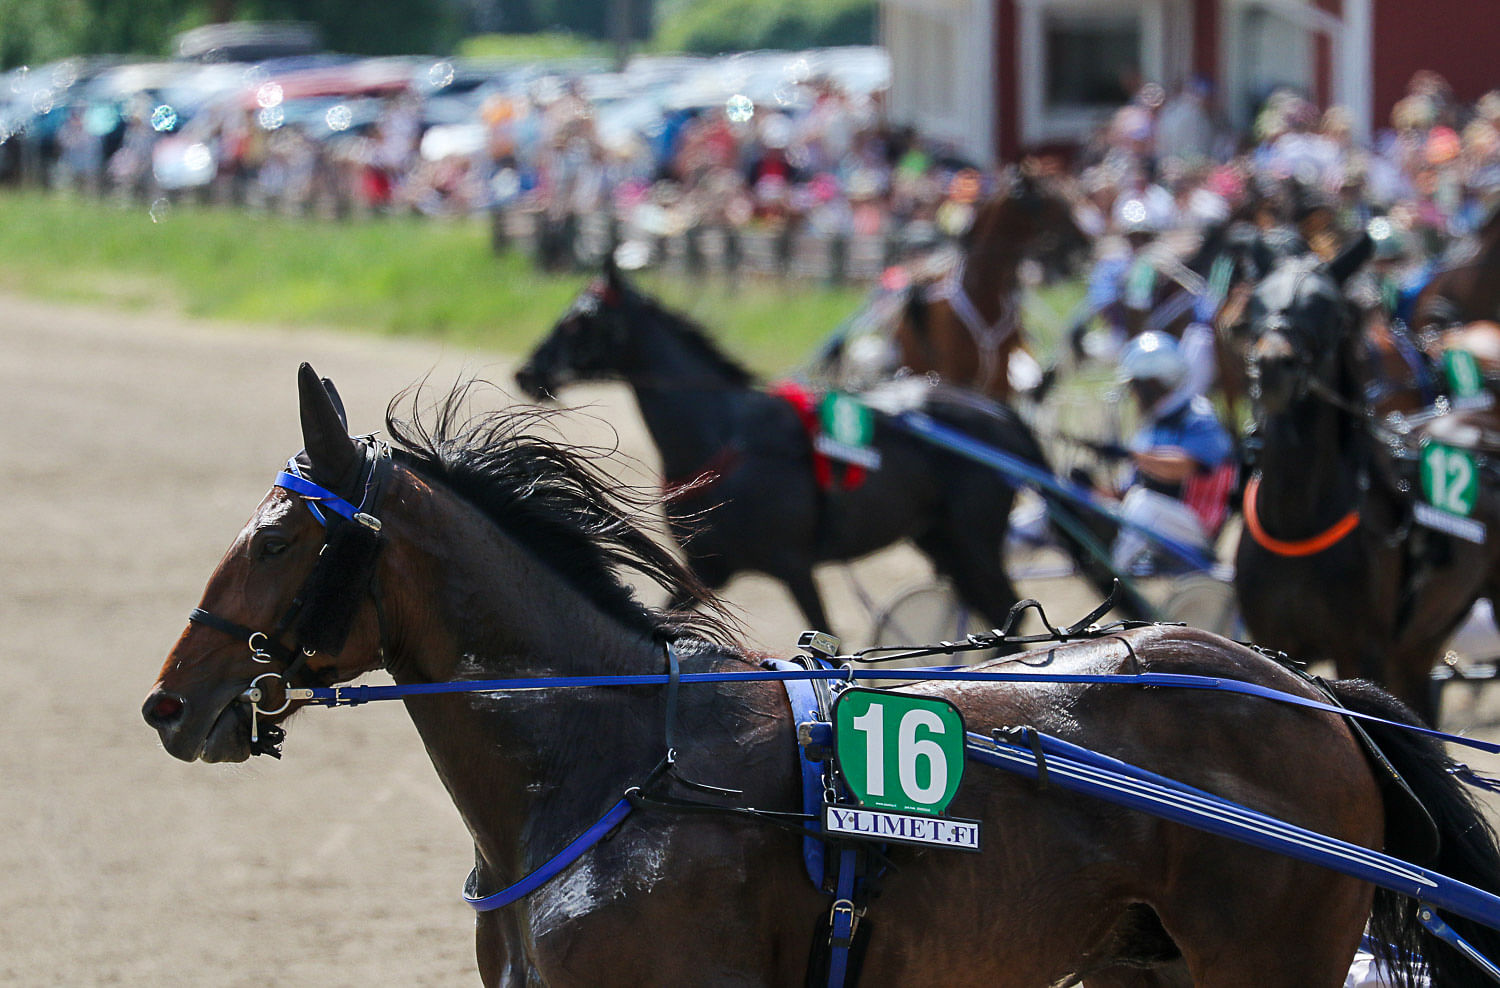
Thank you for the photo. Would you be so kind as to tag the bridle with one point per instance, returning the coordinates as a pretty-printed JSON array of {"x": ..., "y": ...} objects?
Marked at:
[
  {"x": 320, "y": 613},
  {"x": 1306, "y": 383}
]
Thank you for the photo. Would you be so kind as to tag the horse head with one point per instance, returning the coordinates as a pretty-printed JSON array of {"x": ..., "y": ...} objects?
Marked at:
[
  {"x": 287, "y": 605},
  {"x": 1032, "y": 213},
  {"x": 1299, "y": 325},
  {"x": 587, "y": 343}
]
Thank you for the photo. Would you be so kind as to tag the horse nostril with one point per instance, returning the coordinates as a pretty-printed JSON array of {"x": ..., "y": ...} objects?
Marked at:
[{"x": 163, "y": 709}]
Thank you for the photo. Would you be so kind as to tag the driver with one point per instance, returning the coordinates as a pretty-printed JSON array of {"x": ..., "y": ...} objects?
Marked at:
[{"x": 1182, "y": 460}]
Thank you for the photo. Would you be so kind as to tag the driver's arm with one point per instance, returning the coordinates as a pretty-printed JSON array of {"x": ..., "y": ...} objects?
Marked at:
[{"x": 1167, "y": 464}]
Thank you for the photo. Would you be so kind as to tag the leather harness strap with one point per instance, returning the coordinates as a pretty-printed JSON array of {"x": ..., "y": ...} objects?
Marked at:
[{"x": 1321, "y": 542}]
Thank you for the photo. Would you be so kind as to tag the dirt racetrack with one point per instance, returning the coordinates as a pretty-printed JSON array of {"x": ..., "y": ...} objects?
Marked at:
[{"x": 134, "y": 448}]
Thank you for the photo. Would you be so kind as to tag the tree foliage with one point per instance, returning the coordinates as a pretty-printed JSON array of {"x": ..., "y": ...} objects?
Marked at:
[
  {"x": 36, "y": 31},
  {"x": 371, "y": 27},
  {"x": 713, "y": 26}
]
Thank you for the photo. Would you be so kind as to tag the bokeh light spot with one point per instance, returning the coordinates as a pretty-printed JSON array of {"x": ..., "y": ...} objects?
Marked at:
[
  {"x": 163, "y": 118},
  {"x": 739, "y": 108},
  {"x": 440, "y": 75}
]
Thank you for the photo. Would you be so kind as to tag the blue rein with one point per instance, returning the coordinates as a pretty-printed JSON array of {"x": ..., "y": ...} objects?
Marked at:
[
  {"x": 349, "y": 696},
  {"x": 583, "y": 843}
]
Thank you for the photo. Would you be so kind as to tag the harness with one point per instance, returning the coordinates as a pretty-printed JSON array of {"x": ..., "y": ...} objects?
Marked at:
[
  {"x": 1048, "y": 759},
  {"x": 804, "y": 403},
  {"x": 988, "y": 337}
]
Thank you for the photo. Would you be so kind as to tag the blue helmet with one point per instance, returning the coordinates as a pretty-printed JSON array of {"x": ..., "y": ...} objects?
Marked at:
[{"x": 1153, "y": 356}]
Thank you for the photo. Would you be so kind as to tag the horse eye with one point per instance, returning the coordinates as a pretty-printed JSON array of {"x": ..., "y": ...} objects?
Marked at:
[{"x": 273, "y": 547}]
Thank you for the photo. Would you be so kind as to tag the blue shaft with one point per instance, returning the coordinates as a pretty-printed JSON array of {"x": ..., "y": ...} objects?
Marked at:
[
  {"x": 1018, "y": 469},
  {"x": 1135, "y": 788}
]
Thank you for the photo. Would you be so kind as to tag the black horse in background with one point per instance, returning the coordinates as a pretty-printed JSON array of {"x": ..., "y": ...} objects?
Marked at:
[
  {"x": 739, "y": 462},
  {"x": 1332, "y": 564}
]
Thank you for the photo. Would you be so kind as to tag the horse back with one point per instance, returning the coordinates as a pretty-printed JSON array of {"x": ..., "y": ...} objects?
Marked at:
[{"x": 1237, "y": 746}]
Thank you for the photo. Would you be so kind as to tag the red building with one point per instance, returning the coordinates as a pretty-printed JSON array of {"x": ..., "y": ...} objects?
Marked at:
[{"x": 1000, "y": 77}]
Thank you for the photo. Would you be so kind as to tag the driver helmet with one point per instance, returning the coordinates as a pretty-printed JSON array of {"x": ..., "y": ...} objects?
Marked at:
[{"x": 1153, "y": 356}]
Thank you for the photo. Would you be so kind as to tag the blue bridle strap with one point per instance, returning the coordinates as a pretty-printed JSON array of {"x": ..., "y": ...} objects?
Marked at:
[{"x": 316, "y": 496}]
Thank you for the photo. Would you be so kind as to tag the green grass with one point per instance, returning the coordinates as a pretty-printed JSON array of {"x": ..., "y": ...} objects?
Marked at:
[
  {"x": 543, "y": 46},
  {"x": 388, "y": 276}
]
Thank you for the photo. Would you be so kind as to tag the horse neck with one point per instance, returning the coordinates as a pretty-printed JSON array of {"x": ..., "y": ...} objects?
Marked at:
[
  {"x": 472, "y": 604},
  {"x": 991, "y": 268},
  {"x": 689, "y": 403},
  {"x": 1309, "y": 466}
]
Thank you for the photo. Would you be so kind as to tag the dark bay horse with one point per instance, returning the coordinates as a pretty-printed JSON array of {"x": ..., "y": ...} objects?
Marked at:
[
  {"x": 1331, "y": 564},
  {"x": 741, "y": 459},
  {"x": 1465, "y": 291},
  {"x": 965, "y": 326},
  {"x": 475, "y": 550},
  {"x": 1460, "y": 307}
]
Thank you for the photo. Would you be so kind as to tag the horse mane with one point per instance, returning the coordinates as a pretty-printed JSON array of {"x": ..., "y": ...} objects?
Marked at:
[
  {"x": 694, "y": 334},
  {"x": 549, "y": 497}
]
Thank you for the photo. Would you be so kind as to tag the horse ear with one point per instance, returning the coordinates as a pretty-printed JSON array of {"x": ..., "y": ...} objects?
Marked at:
[
  {"x": 325, "y": 437},
  {"x": 338, "y": 403},
  {"x": 1352, "y": 259}
]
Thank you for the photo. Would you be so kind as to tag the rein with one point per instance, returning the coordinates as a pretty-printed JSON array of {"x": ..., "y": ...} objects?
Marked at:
[
  {"x": 1311, "y": 546},
  {"x": 846, "y": 672}
]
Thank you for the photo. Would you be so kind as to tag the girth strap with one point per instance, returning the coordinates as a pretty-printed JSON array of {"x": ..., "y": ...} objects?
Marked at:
[{"x": 580, "y": 845}]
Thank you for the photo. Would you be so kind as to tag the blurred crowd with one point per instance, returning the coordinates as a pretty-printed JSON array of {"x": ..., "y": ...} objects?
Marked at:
[
  {"x": 668, "y": 146},
  {"x": 1166, "y": 162},
  {"x": 781, "y": 143}
]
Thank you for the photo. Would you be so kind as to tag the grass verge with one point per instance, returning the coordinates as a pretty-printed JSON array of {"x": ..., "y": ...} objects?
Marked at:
[{"x": 398, "y": 276}]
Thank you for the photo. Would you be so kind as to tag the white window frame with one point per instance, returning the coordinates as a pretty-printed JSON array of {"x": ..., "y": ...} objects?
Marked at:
[
  {"x": 965, "y": 117},
  {"x": 1350, "y": 35},
  {"x": 1041, "y": 123}
]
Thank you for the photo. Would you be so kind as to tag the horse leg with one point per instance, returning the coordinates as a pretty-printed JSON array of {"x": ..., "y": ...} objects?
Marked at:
[
  {"x": 804, "y": 589},
  {"x": 1303, "y": 929},
  {"x": 1408, "y": 677},
  {"x": 1175, "y": 976},
  {"x": 973, "y": 563},
  {"x": 498, "y": 949}
]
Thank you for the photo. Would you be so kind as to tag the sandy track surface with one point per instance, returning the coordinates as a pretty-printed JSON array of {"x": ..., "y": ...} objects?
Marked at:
[{"x": 134, "y": 447}]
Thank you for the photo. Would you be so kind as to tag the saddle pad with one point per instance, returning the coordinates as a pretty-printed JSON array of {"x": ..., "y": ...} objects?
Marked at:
[{"x": 805, "y": 402}]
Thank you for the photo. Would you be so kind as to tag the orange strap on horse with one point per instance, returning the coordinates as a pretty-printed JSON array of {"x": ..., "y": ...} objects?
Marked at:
[{"x": 1302, "y": 547}]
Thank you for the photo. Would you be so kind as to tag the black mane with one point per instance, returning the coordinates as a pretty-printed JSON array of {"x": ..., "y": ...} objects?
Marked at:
[
  {"x": 551, "y": 499},
  {"x": 692, "y": 333}
]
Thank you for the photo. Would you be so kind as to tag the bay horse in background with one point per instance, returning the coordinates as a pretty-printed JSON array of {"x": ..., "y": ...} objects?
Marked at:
[
  {"x": 479, "y": 550},
  {"x": 1460, "y": 307},
  {"x": 741, "y": 463},
  {"x": 965, "y": 325},
  {"x": 1330, "y": 564}
]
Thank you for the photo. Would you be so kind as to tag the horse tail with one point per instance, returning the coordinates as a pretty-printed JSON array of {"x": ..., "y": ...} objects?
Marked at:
[{"x": 1466, "y": 847}]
